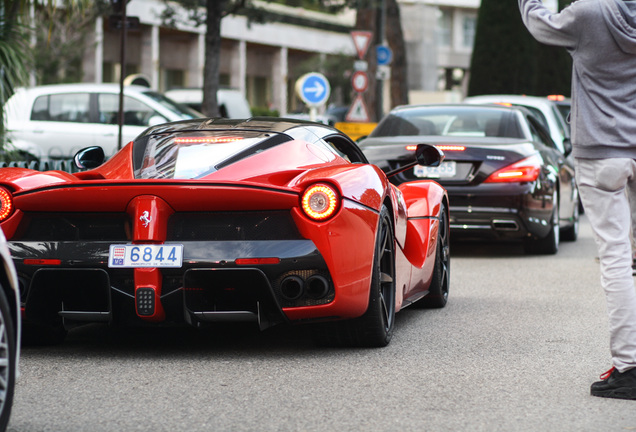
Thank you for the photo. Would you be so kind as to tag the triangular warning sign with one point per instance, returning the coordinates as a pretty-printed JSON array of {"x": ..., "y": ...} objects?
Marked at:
[
  {"x": 361, "y": 40},
  {"x": 358, "y": 111}
]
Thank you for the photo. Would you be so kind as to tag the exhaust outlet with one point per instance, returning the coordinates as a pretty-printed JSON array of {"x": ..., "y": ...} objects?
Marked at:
[
  {"x": 317, "y": 287},
  {"x": 292, "y": 287},
  {"x": 505, "y": 225}
]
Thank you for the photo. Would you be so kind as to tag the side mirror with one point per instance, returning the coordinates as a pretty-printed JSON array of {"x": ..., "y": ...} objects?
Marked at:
[
  {"x": 89, "y": 158},
  {"x": 428, "y": 155},
  {"x": 425, "y": 154}
]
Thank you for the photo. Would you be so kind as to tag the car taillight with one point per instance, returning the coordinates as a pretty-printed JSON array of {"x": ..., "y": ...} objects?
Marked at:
[
  {"x": 256, "y": 261},
  {"x": 6, "y": 204},
  {"x": 526, "y": 170},
  {"x": 320, "y": 201},
  {"x": 442, "y": 147},
  {"x": 207, "y": 140},
  {"x": 451, "y": 148}
]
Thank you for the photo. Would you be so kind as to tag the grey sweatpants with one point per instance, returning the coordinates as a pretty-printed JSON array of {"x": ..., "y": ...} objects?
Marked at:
[{"x": 606, "y": 187}]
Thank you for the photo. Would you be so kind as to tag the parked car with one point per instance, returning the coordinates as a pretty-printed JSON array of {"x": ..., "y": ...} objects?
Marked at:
[
  {"x": 10, "y": 327},
  {"x": 564, "y": 105},
  {"x": 320, "y": 118},
  {"x": 552, "y": 112},
  {"x": 55, "y": 121},
  {"x": 505, "y": 177},
  {"x": 212, "y": 220},
  {"x": 232, "y": 103}
]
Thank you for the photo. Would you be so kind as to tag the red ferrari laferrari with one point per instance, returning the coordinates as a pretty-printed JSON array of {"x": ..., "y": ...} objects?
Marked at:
[{"x": 212, "y": 220}]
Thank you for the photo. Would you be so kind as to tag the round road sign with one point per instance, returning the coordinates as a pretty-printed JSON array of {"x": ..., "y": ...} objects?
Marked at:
[
  {"x": 360, "y": 81},
  {"x": 313, "y": 89},
  {"x": 383, "y": 54}
]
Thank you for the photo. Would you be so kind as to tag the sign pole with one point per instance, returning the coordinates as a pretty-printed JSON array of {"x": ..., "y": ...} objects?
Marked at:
[
  {"x": 122, "y": 73},
  {"x": 379, "y": 101}
]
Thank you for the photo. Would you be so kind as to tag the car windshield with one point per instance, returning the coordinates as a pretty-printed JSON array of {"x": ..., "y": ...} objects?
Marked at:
[
  {"x": 197, "y": 154},
  {"x": 450, "y": 121},
  {"x": 182, "y": 111}
]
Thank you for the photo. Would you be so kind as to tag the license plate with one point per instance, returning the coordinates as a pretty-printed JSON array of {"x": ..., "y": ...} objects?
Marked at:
[
  {"x": 445, "y": 170},
  {"x": 148, "y": 255}
]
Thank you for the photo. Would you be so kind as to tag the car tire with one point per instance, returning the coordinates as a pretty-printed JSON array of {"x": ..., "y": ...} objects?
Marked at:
[
  {"x": 549, "y": 245},
  {"x": 8, "y": 360},
  {"x": 375, "y": 327},
  {"x": 571, "y": 233},
  {"x": 437, "y": 296}
]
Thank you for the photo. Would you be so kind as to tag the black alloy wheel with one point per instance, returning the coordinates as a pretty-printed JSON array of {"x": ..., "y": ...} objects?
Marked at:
[
  {"x": 375, "y": 327},
  {"x": 549, "y": 245},
  {"x": 571, "y": 233},
  {"x": 437, "y": 296}
]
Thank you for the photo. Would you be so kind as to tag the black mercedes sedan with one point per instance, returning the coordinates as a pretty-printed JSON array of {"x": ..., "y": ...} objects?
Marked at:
[{"x": 506, "y": 179}]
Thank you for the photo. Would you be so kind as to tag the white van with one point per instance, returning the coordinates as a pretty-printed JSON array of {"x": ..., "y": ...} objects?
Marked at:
[
  {"x": 55, "y": 121},
  {"x": 232, "y": 103}
]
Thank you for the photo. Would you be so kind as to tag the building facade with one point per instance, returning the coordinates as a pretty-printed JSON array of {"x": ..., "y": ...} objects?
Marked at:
[{"x": 263, "y": 60}]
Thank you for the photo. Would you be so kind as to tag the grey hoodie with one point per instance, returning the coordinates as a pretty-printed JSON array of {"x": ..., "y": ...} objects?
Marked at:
[{"x": 601, "y": 37}]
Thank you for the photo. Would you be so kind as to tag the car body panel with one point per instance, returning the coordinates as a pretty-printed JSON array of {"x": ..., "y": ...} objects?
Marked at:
[
  {"x": 506, "y": 210},
  {"x": 239, "y": 220}
]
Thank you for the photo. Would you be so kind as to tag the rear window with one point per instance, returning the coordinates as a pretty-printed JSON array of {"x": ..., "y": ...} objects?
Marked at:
[
  {"x": 197, "y": 154},
  {"x": 450, "y": 121},
  {"x": 69, "y": 107}
]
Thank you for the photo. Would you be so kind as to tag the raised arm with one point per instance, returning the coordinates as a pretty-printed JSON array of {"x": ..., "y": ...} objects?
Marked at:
[{"x": 558, "y": 29}]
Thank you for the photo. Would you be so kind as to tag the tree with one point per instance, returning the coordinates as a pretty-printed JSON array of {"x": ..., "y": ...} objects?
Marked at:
[
  {"x": 395, "y": 37},
  {"x": 210, "y": 13},
  {"x": 502, "y": 59},
  {"x": 554, "y": 67},
  {"x": 62, "y": 38},
  {"x": 14, "y": 54},
  {"x": 367, "y": 18},
  {"x": 507, "y": 59}
]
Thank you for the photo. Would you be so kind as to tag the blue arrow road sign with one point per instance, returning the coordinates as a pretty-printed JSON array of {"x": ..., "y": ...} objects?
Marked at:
[
  {"x": 314, "y": 89},
  {"x": 383, "y": 54}
]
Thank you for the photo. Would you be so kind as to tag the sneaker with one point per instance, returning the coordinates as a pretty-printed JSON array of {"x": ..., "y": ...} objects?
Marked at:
[{"x": 616, "y": 385}]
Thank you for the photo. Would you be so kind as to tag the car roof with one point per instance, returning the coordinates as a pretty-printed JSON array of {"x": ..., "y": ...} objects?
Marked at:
[
  {"x": 456, "y": 105},
  {"x": 265, "y": 124},
  {"x": 81, "y": 87},
  {"x": 536, "y": 101}
]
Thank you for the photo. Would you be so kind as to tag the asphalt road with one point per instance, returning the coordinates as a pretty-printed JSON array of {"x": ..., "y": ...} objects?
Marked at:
[{"x": 516, "y": 349}]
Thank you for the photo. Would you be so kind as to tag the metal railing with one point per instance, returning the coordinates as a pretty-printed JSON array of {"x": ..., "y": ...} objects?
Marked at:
[{"x": 66, "y": 165}]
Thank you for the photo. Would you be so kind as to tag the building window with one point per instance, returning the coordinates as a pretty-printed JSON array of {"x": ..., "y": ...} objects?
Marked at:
[
  {"x": 469, "y": 27},
  {"x": 175, "y": 78},
  {"x": 444, "y": 27}
]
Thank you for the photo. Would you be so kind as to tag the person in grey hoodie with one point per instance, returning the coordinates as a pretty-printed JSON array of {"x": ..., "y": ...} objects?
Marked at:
[{"x": 600, "y": 35}]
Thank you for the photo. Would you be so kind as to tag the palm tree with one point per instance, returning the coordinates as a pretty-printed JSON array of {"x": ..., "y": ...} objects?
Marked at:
[{"x": 15, "y": 53}]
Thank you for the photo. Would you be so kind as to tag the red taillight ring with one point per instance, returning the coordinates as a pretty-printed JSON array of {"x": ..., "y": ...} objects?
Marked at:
[
  {"x": 320, "y": 201},
  {"x": 6, "y": 204}
]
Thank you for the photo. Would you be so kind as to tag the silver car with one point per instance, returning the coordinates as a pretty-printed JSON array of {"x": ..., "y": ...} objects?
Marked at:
[
  {"x": 55, "y": 121},
  {"x": 548, "y": 111}
]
